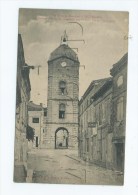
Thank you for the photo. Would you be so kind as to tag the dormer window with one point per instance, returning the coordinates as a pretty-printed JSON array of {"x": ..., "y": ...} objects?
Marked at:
[{"x": 62, "y": 86}]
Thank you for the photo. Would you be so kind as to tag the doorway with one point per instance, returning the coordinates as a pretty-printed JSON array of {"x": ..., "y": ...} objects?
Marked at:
[
  {"x": 61, "y": 138},
  {"x": 36, "y": 141},
  {"x": 120, "y": 156}
]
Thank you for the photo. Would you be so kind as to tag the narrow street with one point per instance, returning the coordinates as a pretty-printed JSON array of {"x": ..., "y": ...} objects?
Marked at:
[{"x": 64, "y": 167}]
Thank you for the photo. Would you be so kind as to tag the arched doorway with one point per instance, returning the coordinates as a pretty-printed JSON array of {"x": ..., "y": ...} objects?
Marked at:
[{"x": 61, "y": 138}]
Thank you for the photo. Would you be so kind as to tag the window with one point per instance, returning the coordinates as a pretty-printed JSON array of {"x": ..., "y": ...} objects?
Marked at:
[
  {"x": 120, "y": 109},
  {"x": 45, "y": 113},
  {"x": 103, "y": 110},
  {"x": 120, "y": 80},
  {"x": 108, "y": 110},
  {"x": 62, "y": 111},
  {"x": 100, "y": 114},
  {"x": 87, "y": 145},
  {"x": 93, "y": 114},
  {"x": 82, "y": 108},
  {"x": 87, "y": 103},
  {"x": 35, "y": 120},
  {"x": 62, "y": 86}
]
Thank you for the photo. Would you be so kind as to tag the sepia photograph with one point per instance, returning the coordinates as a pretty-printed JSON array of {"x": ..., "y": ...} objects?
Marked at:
[{"x": 71, "y": 96}]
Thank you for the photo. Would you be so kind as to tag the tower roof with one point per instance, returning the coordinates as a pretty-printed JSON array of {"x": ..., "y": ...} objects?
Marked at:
[{"x": 63, "y": 51}]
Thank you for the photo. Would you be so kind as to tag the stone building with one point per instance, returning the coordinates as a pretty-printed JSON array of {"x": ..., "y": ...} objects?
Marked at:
[
  {"x": 102, "y": 119},
  {"x": 62, "y": 103},
  {"x": 22, "y": 97},
  {"x": 95, "y": 136},
  {"x": 119, "y": 73},
  {"x": 37, "y": 120}
]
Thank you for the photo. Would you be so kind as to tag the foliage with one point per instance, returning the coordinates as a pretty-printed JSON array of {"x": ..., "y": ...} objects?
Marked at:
[{"x": 30, "y": 132}]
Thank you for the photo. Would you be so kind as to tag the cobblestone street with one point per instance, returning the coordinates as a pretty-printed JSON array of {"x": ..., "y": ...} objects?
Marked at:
[{"x": 64, "y": 167}]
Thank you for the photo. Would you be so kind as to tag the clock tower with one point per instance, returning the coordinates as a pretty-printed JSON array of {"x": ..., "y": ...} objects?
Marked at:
[{"x": 62, "y": 103}]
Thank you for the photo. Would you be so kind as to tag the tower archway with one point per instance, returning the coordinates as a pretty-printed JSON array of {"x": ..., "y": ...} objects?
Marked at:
[{"x": 61, "y": 138}]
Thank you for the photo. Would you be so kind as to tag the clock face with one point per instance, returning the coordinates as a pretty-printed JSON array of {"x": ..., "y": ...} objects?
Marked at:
[{"x": 63, "y": 64}]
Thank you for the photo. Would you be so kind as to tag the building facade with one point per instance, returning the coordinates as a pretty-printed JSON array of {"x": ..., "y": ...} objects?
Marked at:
[
  {"x": 102, "y": 119},
  {"x": 95, "y": 136},
  {"x": 119, "y": 74},
  {"x": 37, "y": 120},
  {"x": 21, "y": 124},
  {"x": 62, "y": 103}
]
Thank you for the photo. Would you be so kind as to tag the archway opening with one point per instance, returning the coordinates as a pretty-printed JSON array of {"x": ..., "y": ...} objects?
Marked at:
[{"x": 61, "y": 138}]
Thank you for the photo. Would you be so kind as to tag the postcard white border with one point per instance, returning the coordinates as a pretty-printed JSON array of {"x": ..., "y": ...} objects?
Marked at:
[{"x": 8, "y": 60}]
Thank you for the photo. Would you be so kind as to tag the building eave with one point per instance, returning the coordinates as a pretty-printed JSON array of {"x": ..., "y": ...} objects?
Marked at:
[
  {"x": 49, "y": 61},
  {"x": 106, "y": 86},
  {"x": 119, "y": 65},
  {"x": 91, "y": 86}
]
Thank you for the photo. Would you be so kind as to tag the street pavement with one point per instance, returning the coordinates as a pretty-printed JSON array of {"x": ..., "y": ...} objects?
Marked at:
[{"x": 62, "y": 166}]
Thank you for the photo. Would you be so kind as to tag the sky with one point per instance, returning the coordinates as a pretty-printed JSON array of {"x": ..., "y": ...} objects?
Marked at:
[{"x": 105, "y": 42}]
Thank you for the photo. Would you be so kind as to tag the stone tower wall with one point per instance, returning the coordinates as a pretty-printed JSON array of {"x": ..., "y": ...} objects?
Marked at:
[{"x": 70, "y": 75}]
